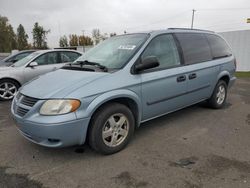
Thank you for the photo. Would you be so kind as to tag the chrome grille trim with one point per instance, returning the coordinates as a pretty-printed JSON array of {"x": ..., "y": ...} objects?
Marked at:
[
  {"x": 28, "y": 101},
  {"x": 22, "y": 104},
  {"x": 21, "y": 111}
]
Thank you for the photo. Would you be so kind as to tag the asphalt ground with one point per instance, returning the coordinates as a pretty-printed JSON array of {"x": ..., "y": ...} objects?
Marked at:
[{"x": 195, "y": 147}]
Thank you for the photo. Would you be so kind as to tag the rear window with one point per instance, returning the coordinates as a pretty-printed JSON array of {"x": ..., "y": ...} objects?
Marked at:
[
  {"x": 195, "y": 47},
  {"x": 218, "y": 46}
]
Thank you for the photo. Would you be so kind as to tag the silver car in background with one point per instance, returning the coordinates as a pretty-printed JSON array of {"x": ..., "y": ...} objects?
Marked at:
[{"x": 35, "y": 64}]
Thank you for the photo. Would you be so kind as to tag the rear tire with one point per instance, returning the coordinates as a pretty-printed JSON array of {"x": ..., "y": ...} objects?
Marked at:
[
  {"x": 111, "y": 129},
  {"x": 219, "y": 96},
  {"x": 8, "y": 89}
]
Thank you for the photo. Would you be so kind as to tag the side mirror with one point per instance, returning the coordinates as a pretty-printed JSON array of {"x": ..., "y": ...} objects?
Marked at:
[
  {"x": 33, "y": 64},
  {"x": 147, "y": 63}
]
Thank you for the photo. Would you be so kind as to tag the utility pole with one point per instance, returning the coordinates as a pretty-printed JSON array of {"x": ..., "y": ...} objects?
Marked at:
[{"x": 192, "y": 23}]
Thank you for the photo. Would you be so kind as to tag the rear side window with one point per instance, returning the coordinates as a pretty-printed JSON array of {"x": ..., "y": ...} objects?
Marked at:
[
  {"x": 48, "y": 58},
  {"x": 69, "y": 56},
  {"x": 195, "y": 47},
  {"x": 218, "y": 46}
]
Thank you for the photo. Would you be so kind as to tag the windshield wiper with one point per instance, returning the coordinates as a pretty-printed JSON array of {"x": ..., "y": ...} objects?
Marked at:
[{"x": 86, "y": 62}]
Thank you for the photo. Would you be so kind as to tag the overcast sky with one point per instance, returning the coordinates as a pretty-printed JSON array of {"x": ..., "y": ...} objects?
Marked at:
[{"x": 64, "y": 17}]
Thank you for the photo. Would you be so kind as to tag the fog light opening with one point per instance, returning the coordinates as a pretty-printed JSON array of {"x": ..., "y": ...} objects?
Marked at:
[{"x": 53, "y": 140}]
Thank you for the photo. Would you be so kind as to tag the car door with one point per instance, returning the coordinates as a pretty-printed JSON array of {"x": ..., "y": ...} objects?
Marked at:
[
  {"x": 164, "y": 87},
  {"x": 202, "y": 70},
  {"x": 47, "y": 62}
]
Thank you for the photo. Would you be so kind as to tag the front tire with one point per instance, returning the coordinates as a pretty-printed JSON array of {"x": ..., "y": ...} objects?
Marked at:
[
  {"x": 111, "y": 128},
  {"x": 8, "y": 89},
  {"x": 219, "y": 96}
]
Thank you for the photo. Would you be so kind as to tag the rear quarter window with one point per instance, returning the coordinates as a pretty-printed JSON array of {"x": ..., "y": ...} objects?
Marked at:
[
  {"x": 219, "y": 47},
  {"x": 69, "y": 56},
  {"x": 195, "y": 47}
]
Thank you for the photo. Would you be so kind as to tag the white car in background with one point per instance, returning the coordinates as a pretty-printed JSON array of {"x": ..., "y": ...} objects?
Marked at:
[{"x": 33, "y": 65}]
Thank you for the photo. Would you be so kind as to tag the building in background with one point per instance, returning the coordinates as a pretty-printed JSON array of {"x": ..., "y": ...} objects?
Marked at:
[{"x": 240, "y": 43}]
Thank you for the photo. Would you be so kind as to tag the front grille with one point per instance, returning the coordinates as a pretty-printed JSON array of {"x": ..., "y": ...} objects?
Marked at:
[
  {"x": 21, "y": 111},
  {"x": 23, "y": 104},
  {"x": 28, "y": 101}
]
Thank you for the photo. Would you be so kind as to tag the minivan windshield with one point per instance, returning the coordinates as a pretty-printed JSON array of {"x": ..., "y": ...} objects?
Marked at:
[
  {"x": 26, "y": 59},
  {"x": 115, "y": 52}
]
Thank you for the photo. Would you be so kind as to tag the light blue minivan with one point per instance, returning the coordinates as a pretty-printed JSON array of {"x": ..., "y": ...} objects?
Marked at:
[{"x": 124, "y": 81}]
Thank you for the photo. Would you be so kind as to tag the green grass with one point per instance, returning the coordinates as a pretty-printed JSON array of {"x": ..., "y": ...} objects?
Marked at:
[{"x": 242, "y": 74}]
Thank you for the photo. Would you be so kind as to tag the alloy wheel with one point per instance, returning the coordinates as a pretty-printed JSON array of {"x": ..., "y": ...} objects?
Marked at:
[
  {"x": 115, "y": 130},
  {"x": 7, "y": 90},
  {"x": 221, "y": 94}
]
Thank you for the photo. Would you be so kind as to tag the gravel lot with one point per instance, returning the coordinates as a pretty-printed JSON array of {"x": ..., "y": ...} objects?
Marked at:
[{"x": 195, "y": 147}]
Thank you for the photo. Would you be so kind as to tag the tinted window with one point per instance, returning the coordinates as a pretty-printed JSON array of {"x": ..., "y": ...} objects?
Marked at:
[
  {"x": 164, "y": 48},
  {"x": 195, "y": 47},
  {"x": 218, "y": 46},
  {"x": 48, "y": 58},
  {"x": 69, "y": 56}
]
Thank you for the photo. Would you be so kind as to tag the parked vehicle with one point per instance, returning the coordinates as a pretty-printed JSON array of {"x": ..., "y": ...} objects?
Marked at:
[
  {"x": 122, "y": 82},
  {"x": 33, "y": 65},
  {"x": 15, "y": 57}
]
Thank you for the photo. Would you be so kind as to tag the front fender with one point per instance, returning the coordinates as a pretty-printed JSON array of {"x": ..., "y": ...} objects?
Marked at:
[{"x": 108, "y": 96}]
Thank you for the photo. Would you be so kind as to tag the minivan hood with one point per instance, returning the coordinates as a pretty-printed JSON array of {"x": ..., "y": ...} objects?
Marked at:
[{"x": 59, "y": 83}]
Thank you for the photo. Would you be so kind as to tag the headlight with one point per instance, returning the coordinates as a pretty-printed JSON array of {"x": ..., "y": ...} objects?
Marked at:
[{"x": 58, "y": 107}]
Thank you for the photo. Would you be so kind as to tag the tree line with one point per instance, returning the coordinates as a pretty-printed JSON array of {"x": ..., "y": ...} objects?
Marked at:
[
  {"x": 82, "y": 40},
  {"x": 10, "y": 40}
]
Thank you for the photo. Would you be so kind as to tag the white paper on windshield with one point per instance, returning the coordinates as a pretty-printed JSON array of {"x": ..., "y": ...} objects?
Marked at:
[{"x": 126, "y": 47}]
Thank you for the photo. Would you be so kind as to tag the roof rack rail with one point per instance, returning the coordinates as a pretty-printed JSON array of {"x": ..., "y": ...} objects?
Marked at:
[{"x": 191, "y": 29}]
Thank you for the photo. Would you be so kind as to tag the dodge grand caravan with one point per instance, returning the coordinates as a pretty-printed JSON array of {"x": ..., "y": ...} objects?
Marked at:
[{"x": 124, "y": 81}]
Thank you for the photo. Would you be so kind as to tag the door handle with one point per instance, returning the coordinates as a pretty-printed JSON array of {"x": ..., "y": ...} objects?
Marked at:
[
  {"x": 181, "y": 78},
  {"x": 192, "y": 76}
]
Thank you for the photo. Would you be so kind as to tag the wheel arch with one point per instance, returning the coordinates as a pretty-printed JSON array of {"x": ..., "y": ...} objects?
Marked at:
[
  {"x": 12, "y": 79},
  {"x": 125, "y": 97},
  {"x": 225, "y": 78}
]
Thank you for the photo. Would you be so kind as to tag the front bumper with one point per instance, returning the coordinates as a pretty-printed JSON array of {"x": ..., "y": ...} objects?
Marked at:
[
  {"x": 49, "y": 131},
  {"x": 54, "y": 135}
]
